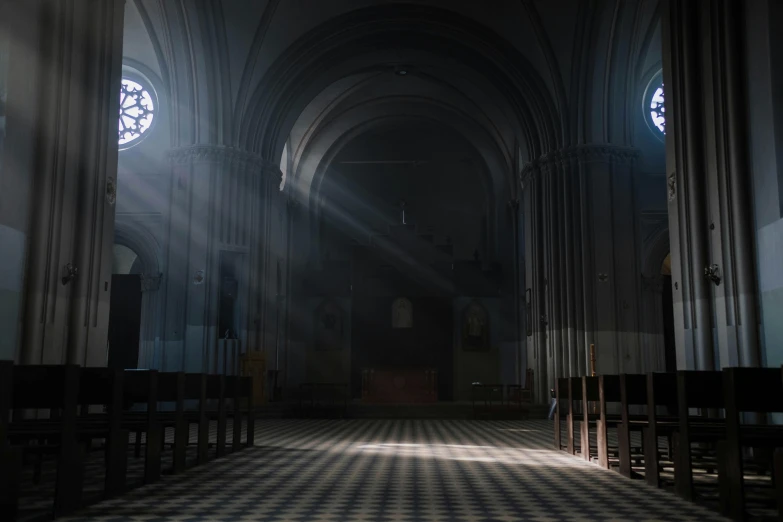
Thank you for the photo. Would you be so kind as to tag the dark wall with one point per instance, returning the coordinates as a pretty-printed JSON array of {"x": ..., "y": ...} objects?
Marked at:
[
  {"x": 445, "y": 194},
  {"x": 428, "y": 344}
]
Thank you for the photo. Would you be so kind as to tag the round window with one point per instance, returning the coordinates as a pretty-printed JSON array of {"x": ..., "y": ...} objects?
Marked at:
[
  {"x": 137, "y": 112},
  {"x": 654, "y": 108}
]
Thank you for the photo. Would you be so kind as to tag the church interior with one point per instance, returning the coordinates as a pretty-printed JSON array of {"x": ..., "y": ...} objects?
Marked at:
[{"x": 391, "y": 260}]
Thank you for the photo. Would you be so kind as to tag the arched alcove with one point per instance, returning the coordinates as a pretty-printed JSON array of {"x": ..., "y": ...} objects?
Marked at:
[{"x": 135, "y": 299}]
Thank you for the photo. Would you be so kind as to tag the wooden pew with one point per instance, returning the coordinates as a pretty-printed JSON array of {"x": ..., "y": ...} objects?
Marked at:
[
  {"x": 600, "y": 390},
  {"x": 633, "y": 392},
  {"x": 626, "y": 390},
  {"x": 10, "y": 456},
  {"x": 53, "y": 388},
  {"x": 590, "y": 393},
  {"x": 661, "y": 392},
  {"x": 574, "y": 398},
  {"x": 181, "y": 389},
  {"x": 141, "y": 387},
  {"x": 561, "y": 393},
  {"x": 702, "y": 390},
  {"x": 570, "y": 389},
  {"x": 104, "y": 387},
  {"x": 171, "y": 389},
  {"x": 746, "y": 390}
]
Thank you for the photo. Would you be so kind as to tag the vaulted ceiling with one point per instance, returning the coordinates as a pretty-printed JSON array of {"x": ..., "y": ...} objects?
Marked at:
[{"x": 516, "y": 78}]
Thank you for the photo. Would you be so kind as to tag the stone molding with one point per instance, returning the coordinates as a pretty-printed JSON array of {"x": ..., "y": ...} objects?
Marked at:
[
  {"x": 150, "y": 283},
  {"x": 581, "y": 153},
  {"x": 224, "y": 155}
]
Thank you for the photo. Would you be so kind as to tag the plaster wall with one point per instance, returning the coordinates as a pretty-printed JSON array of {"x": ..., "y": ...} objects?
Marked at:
[{"x": 764, "y": 54}]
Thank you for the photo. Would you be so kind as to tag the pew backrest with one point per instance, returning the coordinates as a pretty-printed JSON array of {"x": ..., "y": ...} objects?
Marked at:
[
  {"x": 53, "y": 387},
  {"x": 753, "y": 390},
  {"x": 561, "y": 388},
  {"x": 195, "y": 386},
  {"x": 100, "y": 386},
  {"x": 699, "y": 389},
  {"x": 590, "y": 388},
  {"x": 609, "y": 386},
  {"x": 140, "y": 387},
  {"x": 574, "y": 388},
  {"x": 171, "y": 386},
  {"x": 633, "y": 389}
]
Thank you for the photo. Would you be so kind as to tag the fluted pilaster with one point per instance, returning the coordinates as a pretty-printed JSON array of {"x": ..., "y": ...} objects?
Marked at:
[
  {"x": 710, "y": 209},
  {"x": 581, "y": 261},
  {"x": 63, "y": 109},
  {"x": 218, "y": 207}
]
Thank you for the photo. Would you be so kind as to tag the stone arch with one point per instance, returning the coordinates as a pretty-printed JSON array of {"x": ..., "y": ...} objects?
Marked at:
[
  {"x": 136, "y": 236},
  {"x": 331, "y": 52},
  {"x": 326, "y": 143}
]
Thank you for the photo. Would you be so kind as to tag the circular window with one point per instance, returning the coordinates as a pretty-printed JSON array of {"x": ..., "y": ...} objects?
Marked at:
[
  {"x": 654, "y": 108},
  {"x": 137, "y": 112}
]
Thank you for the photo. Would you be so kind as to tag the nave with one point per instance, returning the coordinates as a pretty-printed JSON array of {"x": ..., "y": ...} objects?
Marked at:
[{"x": 387, "y": 470}]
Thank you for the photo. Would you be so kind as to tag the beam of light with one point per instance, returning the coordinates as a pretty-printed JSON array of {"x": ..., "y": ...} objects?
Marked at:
[
  {"x": 468, "y": 453},
  {"x": 350, "y": 225}
]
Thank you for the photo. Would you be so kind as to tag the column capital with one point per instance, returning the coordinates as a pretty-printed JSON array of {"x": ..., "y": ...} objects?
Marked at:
[
  {"x": 223, "y": 154},
  {"x": 150, "y": 282},
  {"x": 601, "y": 152}
]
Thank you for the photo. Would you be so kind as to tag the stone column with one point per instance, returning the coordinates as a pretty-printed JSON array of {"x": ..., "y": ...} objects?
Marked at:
[
  {"x": 63, "y": 98},
  {"x": 710, "y": 209},
  {"x": 218, "y": 204},
  {"x": 582, "y": 261}
]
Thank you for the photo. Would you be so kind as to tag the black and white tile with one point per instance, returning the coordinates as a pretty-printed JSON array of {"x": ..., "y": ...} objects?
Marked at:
[{"x": 397, "y": 470}]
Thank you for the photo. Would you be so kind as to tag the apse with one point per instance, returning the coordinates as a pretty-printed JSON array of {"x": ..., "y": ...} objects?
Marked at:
[{"x": 419, "y": 174}]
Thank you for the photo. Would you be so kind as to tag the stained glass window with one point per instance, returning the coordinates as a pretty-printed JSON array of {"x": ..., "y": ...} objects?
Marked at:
[
  {"x": 657, "y": 109},
  {"x": 137, "y": 112}
]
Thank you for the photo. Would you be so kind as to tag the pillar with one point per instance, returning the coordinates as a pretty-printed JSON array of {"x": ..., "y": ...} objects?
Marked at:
[
  {"x": 65, "y": 63},
  {"x": 582, "y": 262},
  {"x": 219, "y": 207},
  {"x": 710, "y": 208}
]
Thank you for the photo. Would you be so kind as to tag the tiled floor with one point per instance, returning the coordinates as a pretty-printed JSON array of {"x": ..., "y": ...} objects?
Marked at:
[{"x": 387, "y": 470}]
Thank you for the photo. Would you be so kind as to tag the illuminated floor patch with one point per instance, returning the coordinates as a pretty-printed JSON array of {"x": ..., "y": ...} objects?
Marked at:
[{"x": 394, "y": 470}]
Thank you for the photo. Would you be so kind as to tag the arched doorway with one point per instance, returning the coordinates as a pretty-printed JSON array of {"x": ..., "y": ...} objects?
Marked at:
[
  {"x": 670, "y": 350},
  {"x": 125, "y": 311}
]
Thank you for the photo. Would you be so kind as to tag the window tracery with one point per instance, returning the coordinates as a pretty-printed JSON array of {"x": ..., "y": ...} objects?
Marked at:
[
  {"x": 658, "y": 110},
  {"x": 137, "y": 112}
]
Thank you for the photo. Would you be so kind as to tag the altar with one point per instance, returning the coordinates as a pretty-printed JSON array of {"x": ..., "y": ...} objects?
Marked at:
[{"x": 399, "y": 385}]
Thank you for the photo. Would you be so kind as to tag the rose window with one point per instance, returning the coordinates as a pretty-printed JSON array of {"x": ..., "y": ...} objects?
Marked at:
[{"x": 137, "y": 112}]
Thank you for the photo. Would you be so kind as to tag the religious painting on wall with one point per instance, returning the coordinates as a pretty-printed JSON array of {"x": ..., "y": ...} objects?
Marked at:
[
  {"x": 475, "y": 328},
  {"x": 329, "y": 328},
  {"x": 402, "y": 313}
]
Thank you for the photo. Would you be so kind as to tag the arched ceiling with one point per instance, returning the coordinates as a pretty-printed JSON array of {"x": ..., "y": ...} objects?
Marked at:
[{"x": 533, "y": 76}]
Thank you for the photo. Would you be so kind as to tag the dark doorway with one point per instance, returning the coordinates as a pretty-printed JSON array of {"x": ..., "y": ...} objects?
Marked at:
[{"x": 124, "y": 321}]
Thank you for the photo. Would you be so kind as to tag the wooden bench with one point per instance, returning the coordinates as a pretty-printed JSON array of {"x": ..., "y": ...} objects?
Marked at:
[
  {"x": 140, "y": 388},
  {"x": 212, "y": 394},
  {"x": 62, "y": 433},
  {"x": 633, "y": 392},
  {"x": 561, "y": 393},
  {"x": 749, "y": 390},
  {"x": 570, "y": 389},
  {"x": 695, "y": 390}
]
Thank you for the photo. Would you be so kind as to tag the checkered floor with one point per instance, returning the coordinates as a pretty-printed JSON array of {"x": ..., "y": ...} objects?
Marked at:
[{"x": 387, "y": 470}]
